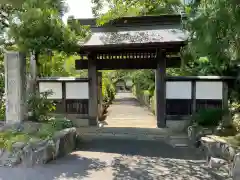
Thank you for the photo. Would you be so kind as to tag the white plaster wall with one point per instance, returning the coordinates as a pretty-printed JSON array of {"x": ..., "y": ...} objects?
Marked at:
[
  {"x": 77, "y": 90},
  {"x": 209, "y": 90},
  {"x": 178, "y": 90},
  {"x": 56, "y": 87}
]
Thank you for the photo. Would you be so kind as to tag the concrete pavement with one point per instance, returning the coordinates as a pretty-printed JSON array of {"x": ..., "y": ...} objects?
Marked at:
[
  {"x": 120, "y": 160},
  {"x": 126, "y": 111}
]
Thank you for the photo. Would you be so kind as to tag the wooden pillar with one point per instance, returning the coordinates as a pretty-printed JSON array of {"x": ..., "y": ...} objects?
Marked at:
[
  {"x": 194, "y": 103},
  {"x": 225, "y": 95},
  {"x": 227, "y": 117},
  {"x": 99, "y": 94},
  {"x": 93, "y": 90},
  {"x": 33, "y": 73},
  {"x": 64, "y": 97},
  {"x": 160, "y": 86}
]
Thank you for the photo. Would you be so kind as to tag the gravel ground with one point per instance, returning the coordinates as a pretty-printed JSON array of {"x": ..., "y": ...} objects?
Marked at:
[{"x": 120, "y": 160}]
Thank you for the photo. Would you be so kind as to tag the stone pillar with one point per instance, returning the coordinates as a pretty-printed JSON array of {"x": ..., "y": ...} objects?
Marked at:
[
  {"x": 15, "y": 86},
  {"x": 160, "y": 88},
  {"x": 93, "y": 90}
]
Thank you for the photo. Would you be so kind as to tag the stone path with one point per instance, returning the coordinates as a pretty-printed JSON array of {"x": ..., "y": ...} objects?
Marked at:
[
  {"x": 120, "y": 160},
  {"x": 126, "y": 111}
]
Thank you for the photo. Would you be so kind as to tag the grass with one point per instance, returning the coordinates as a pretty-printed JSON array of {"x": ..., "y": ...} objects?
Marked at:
[{"x": 233, "y": 140}]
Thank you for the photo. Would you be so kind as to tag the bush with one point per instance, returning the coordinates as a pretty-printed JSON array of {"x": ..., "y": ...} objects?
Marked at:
[
  {"x": 210, "y": 117},
  {"x": 60, "y": 123},
  {"x": 236, "y": 122},
  {"x": 2, "y": 109},
  {"x": 41, "y": 106},
  {"x": 108, "y": 90}
]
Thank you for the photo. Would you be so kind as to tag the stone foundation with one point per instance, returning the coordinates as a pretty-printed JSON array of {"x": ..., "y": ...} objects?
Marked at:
[
  {"x": 39, "y": 152},
  {"x": 219, "y": 153}
]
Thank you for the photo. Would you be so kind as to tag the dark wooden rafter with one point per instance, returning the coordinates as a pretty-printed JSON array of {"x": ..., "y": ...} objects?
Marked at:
[
  {"x": 127, "y": 59},
  {"x": 114, "y": 64}
]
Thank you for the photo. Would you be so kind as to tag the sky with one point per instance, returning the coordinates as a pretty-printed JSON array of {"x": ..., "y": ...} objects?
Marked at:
[{"x": 79, "y": 9}]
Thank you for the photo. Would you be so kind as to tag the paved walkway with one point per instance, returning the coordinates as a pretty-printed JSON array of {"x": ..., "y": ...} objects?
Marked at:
[
  {"x": 126, "y": 111},
  {"x": 120, "y": 160}
]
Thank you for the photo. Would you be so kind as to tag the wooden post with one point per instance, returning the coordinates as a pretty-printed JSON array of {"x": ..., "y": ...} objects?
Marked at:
[
  {"x": 227, "y": 117},
  {"x": 99, "y": 94},
  {"x": 194, "y": 104},
  {"x": 225, "y": 95},
  {"x": 33, "y": 73},
  {"x": 93, "y": 90},
  {"x": 64, "y": 96},
  {"x": 160, "y": 84}
]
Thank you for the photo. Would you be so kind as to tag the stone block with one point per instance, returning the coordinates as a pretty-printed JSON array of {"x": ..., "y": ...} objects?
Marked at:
[
  {"x": 39, "y": 151},
  {"x": 216, "y": 162},
  {"x": 66, "y": 141},
  {"x": 236, "y": 167}
]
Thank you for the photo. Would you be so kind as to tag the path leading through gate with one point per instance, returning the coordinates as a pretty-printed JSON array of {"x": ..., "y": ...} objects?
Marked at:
[{"x": 126, "y": 111}]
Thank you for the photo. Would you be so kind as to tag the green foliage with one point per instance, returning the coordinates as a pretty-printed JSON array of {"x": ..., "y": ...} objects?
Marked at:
[
  {"x": 144, "y": 80},
  {"x": 236, "y": 122},
  {"x": 108, "y": 90},
  {"x": 41, "y": 106},
  {"x": 2, "y": 98},
  {"x": 2, "y": 109},
  {"x": 60, "y": 123},
  {"x": 214, "y": 28},
  {"x": 57, "y": 64},
  {"x": 121, "y": 8},
  {"x": 14, "y": 3},
  {"x": 9, "y": 137},
  {"x": 210, "y": 117},
  {"x": 44, "y": 131},
  {"x": 40, "y": 27}
]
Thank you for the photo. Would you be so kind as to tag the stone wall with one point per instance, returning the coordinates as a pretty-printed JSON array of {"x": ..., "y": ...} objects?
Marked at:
[
  {"x": 39, "y": 152},
  {"x": 219, "y": 154}
]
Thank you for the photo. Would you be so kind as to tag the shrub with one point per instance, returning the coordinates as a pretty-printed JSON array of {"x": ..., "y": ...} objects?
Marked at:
[
  {"x": 108, "y": 90},
  {"x": 236, "y": 122},
  {"x": 40, "y": 106},
  {"x": 60, "y": 123},
  {"x": 2, "y": 108},
  {"x": 210, "y": 117}
]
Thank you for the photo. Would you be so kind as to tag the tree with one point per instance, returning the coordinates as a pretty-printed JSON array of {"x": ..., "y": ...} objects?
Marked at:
[
  {"x": 214, "y": 28},
  {"x": 120, "y": 8},
  {"x": 40, "y": 28}
]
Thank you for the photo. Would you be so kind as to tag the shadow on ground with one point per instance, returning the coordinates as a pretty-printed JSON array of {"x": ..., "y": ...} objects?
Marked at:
[{"x": 121, "y": 160}]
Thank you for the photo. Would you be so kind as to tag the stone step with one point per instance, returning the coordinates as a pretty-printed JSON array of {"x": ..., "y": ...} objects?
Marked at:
[
  {"x": 154, "y": 134},
  {"x": 124, "y": 130}
]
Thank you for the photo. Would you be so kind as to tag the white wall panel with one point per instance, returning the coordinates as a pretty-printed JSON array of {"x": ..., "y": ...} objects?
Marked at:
[
  {"x": 77, "y": 90},
  {"x": 209, "y": 90},
  {"x": 56, "y": 88},
  {"x": 178, "y": 90}
]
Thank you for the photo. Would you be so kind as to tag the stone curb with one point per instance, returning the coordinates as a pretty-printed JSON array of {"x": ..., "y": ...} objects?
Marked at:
[{"x": 40, "y": 152}]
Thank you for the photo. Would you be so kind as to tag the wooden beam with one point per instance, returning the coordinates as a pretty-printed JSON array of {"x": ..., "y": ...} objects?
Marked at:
[{"x": 114, "y": 64}]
